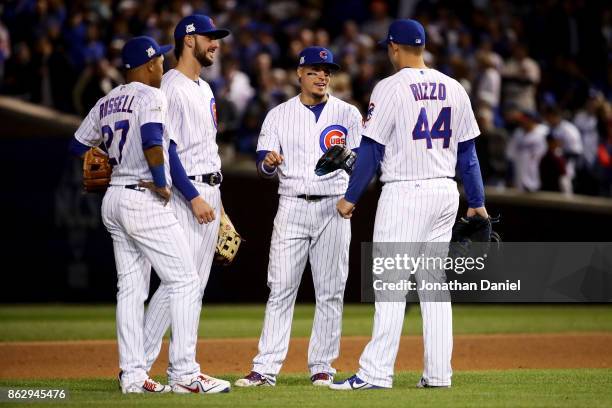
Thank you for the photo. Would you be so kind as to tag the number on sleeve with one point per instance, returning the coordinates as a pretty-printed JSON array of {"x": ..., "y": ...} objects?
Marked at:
[{"x": 440, "y": 129}]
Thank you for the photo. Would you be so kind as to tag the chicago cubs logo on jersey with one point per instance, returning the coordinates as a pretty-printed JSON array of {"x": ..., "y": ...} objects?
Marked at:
[
  {"x": 331, "y": 136},
  {"x": 213, "y": 111}
]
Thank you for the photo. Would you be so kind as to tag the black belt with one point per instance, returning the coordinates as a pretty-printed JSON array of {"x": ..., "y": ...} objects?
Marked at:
[
  {"x": 211, "y": 179},
  {"x": 309, "y": 197},
  {"x": 135, "y": 187}
]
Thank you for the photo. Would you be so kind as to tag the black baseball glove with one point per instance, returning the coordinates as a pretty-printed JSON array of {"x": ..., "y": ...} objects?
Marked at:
[
  {"x": 468, "y": 230},
  {"x": 335, "y": 158}
]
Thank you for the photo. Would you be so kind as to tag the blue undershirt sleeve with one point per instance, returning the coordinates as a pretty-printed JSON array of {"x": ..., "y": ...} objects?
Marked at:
[
  {"x": 152, "y": 134},
  {"x": 179, "y": 175},
  {"x": 77, "y": 148},
  {"x": 370, "y": 155},
  {"x": 469, "y": 170}
]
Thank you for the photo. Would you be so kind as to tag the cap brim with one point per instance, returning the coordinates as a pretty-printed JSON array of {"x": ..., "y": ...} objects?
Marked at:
[
  {"x": 216, "y": 34},
  {"x": 164, "y": 49},
  {"x": 383, "y": 43}
]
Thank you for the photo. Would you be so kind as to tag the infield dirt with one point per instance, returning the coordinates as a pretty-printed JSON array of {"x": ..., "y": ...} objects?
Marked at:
[{"x": 98, "y": 358}]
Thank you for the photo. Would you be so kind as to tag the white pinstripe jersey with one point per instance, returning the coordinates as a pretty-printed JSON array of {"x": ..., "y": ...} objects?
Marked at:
[
  {"x": 420, "y": 115},
  {"x": 292, "y": 130},
  {"x": 115, "y": 120},
  {"x": 192, "y": 118}
]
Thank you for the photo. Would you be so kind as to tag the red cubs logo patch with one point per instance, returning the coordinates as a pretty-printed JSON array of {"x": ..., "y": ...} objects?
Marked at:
[
  {"x": 323, "y": 54},
  {"x": 331, "y": 136},
  {"x": 213, "y": 111}
]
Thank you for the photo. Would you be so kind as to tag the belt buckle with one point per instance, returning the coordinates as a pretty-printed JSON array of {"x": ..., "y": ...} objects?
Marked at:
[{"x": 211, "y": 179}]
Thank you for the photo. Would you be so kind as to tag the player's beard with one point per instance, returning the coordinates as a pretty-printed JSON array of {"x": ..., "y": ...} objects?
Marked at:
[{"x": 201, "y": 56}]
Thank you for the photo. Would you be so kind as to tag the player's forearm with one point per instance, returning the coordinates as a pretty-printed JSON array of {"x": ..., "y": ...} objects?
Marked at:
[
  {"x": 155, "y": 160},
  {"x": 469, "y": 170},
  {"x": 370, "y": 155},
  {"x": 179, "y": 176},
  {"x": 152, "y": 145}
]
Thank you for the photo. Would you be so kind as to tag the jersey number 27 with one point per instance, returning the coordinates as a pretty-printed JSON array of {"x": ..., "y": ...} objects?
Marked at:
[
  {"x": 440, "y": 129},
  {"x": 122, "y": 126}
]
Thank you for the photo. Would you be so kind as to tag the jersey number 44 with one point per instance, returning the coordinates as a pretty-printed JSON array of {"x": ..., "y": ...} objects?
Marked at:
[{"x": 440, "y": 129}]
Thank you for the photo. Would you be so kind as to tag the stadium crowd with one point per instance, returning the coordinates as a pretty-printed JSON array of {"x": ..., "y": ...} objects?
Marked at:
[{"x": 538, "y": 73}]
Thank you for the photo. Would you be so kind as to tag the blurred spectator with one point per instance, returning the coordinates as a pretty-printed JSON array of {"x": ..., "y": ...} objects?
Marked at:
[
  {"x": 5, "y": 49},
  {"x": 20, "y": 73},
  {"x": 378, "y": 25},
  {"x": 525, "y": 149},
  {"x": 237, "y": 86},
  {"x": 508, "y": 55},
  {"x": 570, "y": 141},
  {"x": 487, "y": 87},
  {"x": 491, "y": 149},
  {"x": 552, "y": 166},
  {"x": 521, "y": 77},
  {"x": 98, "y": 79}
]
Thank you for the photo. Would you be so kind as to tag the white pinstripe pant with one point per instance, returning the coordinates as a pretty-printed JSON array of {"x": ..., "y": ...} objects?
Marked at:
[
  {"x": 305, "y": 230},
  {"x": 201, "y": 240},
  {"x": 420, "y": 212},
  {"x": 147, "y": 233}
]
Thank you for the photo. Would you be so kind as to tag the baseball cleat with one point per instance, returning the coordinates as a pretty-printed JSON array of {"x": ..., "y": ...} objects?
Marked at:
[
  {"x": 322, "y": 379},
  {"x": 254, "y": 379},
  {"x": 202, "y": 384},
  {"x": 353, "y": 383},
  {"x": 423, "y": 384},
  {"x": 148, "y": 386}
]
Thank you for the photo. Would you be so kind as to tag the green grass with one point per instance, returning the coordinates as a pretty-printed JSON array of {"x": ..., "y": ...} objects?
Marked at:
[
  {"x": 528, "y": 388},
  {"x": 63, "y": 322}
]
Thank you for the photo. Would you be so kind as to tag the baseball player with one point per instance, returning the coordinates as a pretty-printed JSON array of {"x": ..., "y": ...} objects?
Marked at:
[
  {"x": 419, "y": 126},
  {"x": 293, "y": 137},
  {"x": 130, "y": 121},
  {"x": 192, "y": 120}
]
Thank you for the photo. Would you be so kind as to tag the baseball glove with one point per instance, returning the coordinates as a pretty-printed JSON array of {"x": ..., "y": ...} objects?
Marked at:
[
  {"x": 473, "y": 229},
  {"x": 96, "y": 171},
  {"x": 228, "y": 242},
  {"x": 335, "y": 158}
]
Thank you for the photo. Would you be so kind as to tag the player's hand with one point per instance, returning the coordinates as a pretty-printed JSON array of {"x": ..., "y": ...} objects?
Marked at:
[
  {"x": 345, "y": 208},
  {"x": 481, "y": 211},
  {"x": 163, "y": 192},
  {"x": 203, "y": 212},
  {"x": 273, "y": 159}
]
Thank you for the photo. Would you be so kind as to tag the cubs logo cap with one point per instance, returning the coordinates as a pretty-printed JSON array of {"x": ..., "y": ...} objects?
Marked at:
[
  {"x": 317, "y": 56},
  {"x": 199, "y": 24},
  {"x": 407, "y": 32},
  {"x": 140, "y": 50}
]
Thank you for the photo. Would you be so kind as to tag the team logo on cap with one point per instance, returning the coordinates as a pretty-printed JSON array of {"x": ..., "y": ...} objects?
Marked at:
[
  {"x": 190, "y": 28},
  {"x": 150, "y": 51},
  {"x": 331, "y": 136},
  {"x": 323, "y": 54},
  {"x": 212, "y": 23},
  {"x": 213, "y": 111},
  {"x": 302, "y": 59}
]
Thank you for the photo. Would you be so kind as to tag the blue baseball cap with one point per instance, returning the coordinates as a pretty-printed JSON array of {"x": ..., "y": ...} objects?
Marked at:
[
  {"x": 407, "y": 32},
  {"x": 318, "y": 56},
  {"x": 140, "y": 50},
  {"x": 199, "y": 24}
]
